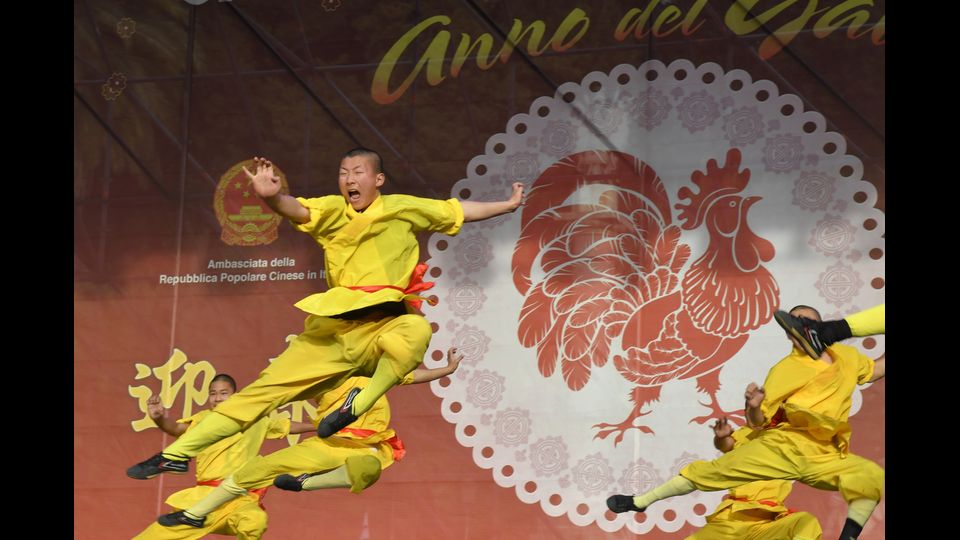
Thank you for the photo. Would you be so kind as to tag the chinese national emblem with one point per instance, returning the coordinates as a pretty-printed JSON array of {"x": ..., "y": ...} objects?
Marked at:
[{"x": 245, "y": 219}]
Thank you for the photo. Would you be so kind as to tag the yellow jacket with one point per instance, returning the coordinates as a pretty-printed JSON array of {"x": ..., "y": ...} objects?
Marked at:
[
  {"x": 377, "y": 247},
  {"x": 810, "y": 395}
]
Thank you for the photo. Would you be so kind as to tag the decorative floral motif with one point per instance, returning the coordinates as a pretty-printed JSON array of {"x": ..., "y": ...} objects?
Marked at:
[
  {"x": 813, "y": 190},
  {"x": 512, "y": 427},
  {"x": 839, "y": 284},
  {"x": 466, "y": 298},
  {"x": 521, "y": 167},
  {"x": 743, "y": 126},
  {"x": 648, "y": 109},
  {"x": 114, "y": 86},
  {"x": 593, "y": 475},
  {"x": 473, "y": 253},
  {"x": 559, "y": 138},
  {"x": 473, "y": 343},
  {"x": 783, "y": 153},
  {"x": 126, "y": 27},
  {"x": 832, "y": 235},
  {"x": 605, "y": 115},
  {"x": 698, "y": 110},
  {"x": 549, "y": 456},
  {"x": 485, "y": 389}
]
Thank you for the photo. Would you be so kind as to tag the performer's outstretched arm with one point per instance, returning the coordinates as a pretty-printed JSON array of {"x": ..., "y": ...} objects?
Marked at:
[
  {"x": 422, "y": 374},
  {"x": 158, "y": 413},
  {"x": 477, "y": 211},
  {"x": 267, "y": 185}
]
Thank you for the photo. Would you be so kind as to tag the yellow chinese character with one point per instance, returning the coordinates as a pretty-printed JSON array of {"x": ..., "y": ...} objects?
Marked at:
[{"x": 169, "y": 390}]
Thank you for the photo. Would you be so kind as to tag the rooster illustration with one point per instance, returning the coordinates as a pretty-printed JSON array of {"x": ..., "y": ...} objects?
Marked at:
[{"x": 612, "y": 270}]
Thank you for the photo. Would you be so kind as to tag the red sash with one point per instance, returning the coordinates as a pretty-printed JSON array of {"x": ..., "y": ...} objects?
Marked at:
[
  {"x": 416, "y": 285},
  {"x": 765, "y": 502},
  {"x": 398, "y": 449}
]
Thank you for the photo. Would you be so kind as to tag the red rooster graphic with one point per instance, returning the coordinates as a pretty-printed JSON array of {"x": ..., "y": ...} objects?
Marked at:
[{"x": 611, "y": 270}]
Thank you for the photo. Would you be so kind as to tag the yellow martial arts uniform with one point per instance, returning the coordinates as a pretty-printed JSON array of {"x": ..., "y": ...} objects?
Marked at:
[
  {"x": 243, "y": 517},
  {"x": 369, "y": 259},
  {"x": 807, "y": 405},
  {"x": 869, "y": 321},
  {"x": 369, "y": 435},
  {"x": 756, "y": 511}
]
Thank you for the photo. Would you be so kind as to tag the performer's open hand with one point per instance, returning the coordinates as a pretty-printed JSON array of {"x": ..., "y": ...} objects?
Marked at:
[
  {"x": 722, "y": 428},
  {"x": 454, "y": 357},
  {"x": 264, "y": 181},
  {"x": 155, "y": 408},
  {"x": 754, "y": 395}
]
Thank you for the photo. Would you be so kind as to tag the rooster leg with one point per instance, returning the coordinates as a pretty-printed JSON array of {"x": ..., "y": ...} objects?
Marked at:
[
  {"x": 640, "y": 396},
  {"x": 710, "y": 384},
  {"x": 717, "y": 412}
]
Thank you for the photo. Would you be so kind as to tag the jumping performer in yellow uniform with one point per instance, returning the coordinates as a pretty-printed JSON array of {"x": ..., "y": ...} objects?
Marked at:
[
  {"x": 803, "y": 410},
  {"x": 815, "y": 336},
  {"x": 365, "y": 323},
  {"x": 754, "y": 511},
  {"x": 353, "y": 458},
  {"x": 243, "y": 517}
]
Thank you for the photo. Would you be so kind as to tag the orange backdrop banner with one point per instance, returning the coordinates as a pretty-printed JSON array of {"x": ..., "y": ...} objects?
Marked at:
[{"x": 690, "y": 167}]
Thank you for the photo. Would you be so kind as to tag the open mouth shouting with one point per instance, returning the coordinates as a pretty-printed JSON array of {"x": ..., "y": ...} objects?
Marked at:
[{"x": 359, "y": 181}]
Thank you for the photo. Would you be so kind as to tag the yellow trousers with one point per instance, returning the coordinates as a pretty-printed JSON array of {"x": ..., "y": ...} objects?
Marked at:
[
  {"x": 759, "y": 525},
  {"x": 241, "y": 517},
  {"x": 779, "y": 454},
  {"x": 328, "y": 352},
  {"x": 310, "y": 456}
]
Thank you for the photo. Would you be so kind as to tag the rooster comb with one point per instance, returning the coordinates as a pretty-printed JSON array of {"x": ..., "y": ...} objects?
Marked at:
[{"x": 714, "y": 183}]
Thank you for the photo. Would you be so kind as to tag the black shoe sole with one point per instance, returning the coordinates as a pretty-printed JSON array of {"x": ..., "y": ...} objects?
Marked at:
[
  {"x": 807, "y": 347},
  {"x": 619, "y": 504},
  {"x": 176, "y": 519},
  {"x": 139, "y": 475},
  {"x": 288, "y": 482}
]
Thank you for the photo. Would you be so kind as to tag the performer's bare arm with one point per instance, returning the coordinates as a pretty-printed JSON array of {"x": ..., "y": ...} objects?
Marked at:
[
  {"x": 267, "y": 185},
  {"x": 476, "y": 211},
  {"x": 879, "y": 367},
  {"x": 158, "y": 413},
  {"x": 422, "y": 374},
  {"x": 723, "y": 435},
  {"x": 754, "y": 397},
  {"x": 301, "y": 427}
]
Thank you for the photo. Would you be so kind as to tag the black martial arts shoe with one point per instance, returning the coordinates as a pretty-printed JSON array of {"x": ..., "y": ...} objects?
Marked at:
[
  {"x": 851, "y": 530},
  {"x": 340, "y": 418},
  {"x": 290, "y": 482},
  {"x": 805, "y": 330},
  {"x": 180, "y": 518},
  {"x": 619, "y": 504},
  {"x": 156, "y": 465}
]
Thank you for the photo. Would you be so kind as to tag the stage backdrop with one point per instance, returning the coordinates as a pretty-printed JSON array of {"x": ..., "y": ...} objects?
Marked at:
[{"x": 690, "y": 167}]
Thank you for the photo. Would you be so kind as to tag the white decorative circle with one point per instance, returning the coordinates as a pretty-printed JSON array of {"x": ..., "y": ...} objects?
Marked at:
[
  {"x": 628, "y": 303},
  {"x": 832, "y": 235}
]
